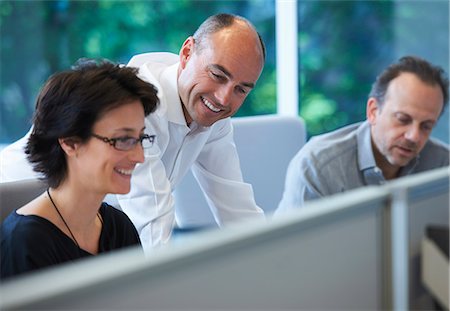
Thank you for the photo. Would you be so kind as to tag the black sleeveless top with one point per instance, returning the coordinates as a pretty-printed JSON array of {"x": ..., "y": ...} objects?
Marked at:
[{"x": 30, "y": 242}]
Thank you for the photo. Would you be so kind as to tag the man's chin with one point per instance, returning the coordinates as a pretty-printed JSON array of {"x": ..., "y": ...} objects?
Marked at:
[{"x": 399, "y": 161}]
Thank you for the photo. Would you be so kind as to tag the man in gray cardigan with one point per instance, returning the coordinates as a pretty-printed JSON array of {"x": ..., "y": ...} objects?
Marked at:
[{"x": 404, "y": 104}]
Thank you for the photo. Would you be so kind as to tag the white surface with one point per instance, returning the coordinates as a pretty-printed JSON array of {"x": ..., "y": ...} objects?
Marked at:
[
  {"x": 287, "y": 59},
  {"x": 435, "y": 271}
]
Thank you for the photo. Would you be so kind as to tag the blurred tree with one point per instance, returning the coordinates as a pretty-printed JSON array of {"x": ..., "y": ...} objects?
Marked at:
[
  {"x": 343, "y": 45},
  {"x": 39, "y": 38}
]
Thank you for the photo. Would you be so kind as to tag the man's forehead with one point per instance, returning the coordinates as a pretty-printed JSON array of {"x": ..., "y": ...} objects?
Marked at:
[{"x": 242, "y": 36}]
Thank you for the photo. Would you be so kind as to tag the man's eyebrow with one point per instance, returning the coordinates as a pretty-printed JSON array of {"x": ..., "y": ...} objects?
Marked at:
[
  {"x": 229, "y": 75},
  {"x": 404, "y": 114}
]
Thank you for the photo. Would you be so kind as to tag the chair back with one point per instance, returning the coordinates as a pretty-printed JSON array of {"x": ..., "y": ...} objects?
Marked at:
[
  {"x": 15, "y": 194},
  {"x": 266, "y": 145}
]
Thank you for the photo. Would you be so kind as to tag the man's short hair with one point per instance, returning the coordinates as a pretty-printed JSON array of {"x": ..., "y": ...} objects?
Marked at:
[{"x": 425, "y": 71}]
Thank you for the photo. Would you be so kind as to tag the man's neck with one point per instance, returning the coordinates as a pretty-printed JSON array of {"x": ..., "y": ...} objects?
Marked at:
[
  {"x": 187, "y": 117},
  {"x": 389, "y": 171}
]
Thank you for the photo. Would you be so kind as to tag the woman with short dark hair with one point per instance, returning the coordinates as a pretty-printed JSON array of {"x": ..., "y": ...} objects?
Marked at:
[{"x": 88, "y": 136}]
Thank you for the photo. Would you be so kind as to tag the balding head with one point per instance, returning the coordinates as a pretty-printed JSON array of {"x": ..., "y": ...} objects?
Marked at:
[{"x": 223, "y": 21}]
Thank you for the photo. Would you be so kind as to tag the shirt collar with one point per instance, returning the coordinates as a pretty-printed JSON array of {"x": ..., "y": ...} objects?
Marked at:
[
  {"x": 169, "y": 83},
  {"x": 366, "y": 159}
]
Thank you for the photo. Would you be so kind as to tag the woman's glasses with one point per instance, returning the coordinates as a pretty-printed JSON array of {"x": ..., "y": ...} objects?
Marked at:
[{"x": 127, "y": 143}]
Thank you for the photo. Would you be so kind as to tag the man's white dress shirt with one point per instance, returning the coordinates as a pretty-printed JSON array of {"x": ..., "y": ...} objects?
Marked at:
[{"x": 209, "y": 151}]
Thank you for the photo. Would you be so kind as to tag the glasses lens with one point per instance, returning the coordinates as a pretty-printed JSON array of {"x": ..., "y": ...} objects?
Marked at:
[
  {"x": 147, "y": 141},
  {"x": 126, "y": 143}
]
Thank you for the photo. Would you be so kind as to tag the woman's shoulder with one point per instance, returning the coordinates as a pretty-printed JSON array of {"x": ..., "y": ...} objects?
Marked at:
[
  {"x": 114, "y": 216},
  {"x": 26, "y": 227},
  {"x": 110, "y": 211},
  {"x": 118, "y": 230},
  {"x": 38, "y": 207},
  {"x": 30, "y": 242}
]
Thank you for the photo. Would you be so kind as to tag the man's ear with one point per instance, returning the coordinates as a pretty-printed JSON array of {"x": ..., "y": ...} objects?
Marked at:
[
  {"x": 70, "y": 145},
  {"x": 372, "y": 110},
  {"x": 186, "y": 51}
]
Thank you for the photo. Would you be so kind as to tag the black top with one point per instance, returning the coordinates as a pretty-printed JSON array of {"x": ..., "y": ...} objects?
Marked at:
[{"x": 32, "y": 242}]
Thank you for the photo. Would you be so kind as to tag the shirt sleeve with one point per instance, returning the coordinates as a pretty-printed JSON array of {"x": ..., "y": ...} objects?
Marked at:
[
  {"x": 14, "y": 165},
  {"x": 302, "y": 183},
  {"x": 218, "y": 172},
  {"x": 150, "y": 204}
]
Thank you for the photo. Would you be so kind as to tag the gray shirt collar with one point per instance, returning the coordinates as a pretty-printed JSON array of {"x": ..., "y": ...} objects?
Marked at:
[{"x": 366, "y": 159}]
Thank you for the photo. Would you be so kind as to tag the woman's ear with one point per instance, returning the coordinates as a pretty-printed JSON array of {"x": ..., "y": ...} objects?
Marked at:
[
  {"x": 70, "y": 145},
  {"x": 186, "y": 51}
]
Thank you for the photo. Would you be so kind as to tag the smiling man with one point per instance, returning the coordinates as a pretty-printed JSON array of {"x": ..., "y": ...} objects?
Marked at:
[
  {"x": 404, "y": 105},
  {"x": 199, "y": 90}
]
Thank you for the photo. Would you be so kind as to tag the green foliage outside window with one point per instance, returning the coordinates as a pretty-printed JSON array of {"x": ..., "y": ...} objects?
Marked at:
[
  {"x": 39, "y": 38},
  {"x": 343, "y": 45},
  {"x": 340, "y": 56}
]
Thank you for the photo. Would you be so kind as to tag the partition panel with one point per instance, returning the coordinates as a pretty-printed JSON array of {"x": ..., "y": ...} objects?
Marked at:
[
  {"x": 428, "y": 205},
  {"x": 327, "y": 255},
  {"x": 425, "y": 202}
]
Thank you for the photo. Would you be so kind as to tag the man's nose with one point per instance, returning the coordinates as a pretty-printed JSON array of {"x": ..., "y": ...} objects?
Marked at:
[
  {"x": 224, "y": 94},
  {"x": 413, "y": 134}
]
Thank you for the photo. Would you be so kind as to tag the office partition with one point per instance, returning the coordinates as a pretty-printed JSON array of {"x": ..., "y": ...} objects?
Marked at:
[
  {"x": 418, "y": 201},
  {"x": 328, "y": 255},
  {"x": 352, "y": 251}
]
